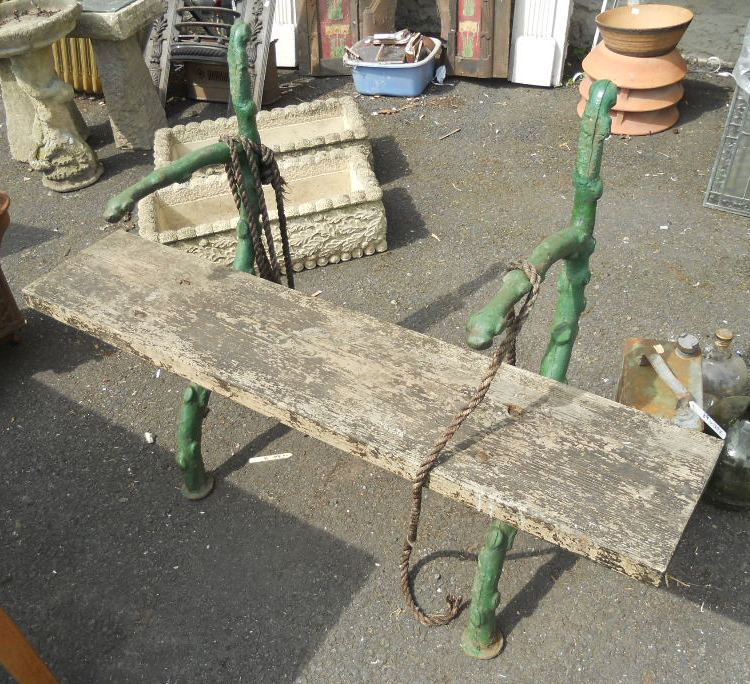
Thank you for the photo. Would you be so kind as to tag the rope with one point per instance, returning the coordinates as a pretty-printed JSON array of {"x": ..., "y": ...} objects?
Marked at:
[
  {"x": 264, "y": 170},
  {"x": 506, "y": 350}
]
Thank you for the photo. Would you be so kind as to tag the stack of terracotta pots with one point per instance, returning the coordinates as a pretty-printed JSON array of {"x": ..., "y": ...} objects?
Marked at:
[{"x": 638, "y": 54}]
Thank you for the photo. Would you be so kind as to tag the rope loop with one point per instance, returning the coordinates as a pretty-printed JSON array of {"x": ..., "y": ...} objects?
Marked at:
[{"x": 506, "y": 351}]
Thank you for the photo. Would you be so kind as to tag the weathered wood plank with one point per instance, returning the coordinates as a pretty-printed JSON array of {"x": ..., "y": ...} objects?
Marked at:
[{"x": 595, "y": 477}]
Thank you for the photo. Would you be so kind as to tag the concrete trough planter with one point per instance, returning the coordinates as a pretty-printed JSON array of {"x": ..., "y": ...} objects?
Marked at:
[
  {"x": 289, "y": 131},
  {"x": 333, "y": 205}
]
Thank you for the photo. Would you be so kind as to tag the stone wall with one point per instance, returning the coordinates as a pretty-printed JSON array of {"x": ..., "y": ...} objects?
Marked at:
[
  {"x": 418, "y": 15},
  {"x": 718, "y": 27},
  {"x": 422, "y": 15},
  {"x": 582, "y": 25}
]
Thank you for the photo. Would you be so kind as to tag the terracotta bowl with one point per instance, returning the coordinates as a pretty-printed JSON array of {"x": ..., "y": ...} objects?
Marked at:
[
  {"x": 634, "y": 72},
  {"x": 644, "y": 30},
  {"x": 639, "y": 123},
  {"x": 648, "y": 100}
]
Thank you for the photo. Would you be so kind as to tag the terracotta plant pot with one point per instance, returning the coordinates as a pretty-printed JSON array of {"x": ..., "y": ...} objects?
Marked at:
[
  {"x": 634, "y": 72},
  {"x": 4, "y": 215},
  {"x": 639, "y": 123},
  {"x": 10, "y": 317},
  {"x": 644, "y": 30},
  {"x": 647, "y": 100}
]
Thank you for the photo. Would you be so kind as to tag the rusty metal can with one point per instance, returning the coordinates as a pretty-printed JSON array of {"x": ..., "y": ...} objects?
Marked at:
[{"x": 641, "y": 388}]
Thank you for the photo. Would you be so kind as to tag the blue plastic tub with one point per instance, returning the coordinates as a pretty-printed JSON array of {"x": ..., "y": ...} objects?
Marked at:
[{"x": 400, "y": 80}]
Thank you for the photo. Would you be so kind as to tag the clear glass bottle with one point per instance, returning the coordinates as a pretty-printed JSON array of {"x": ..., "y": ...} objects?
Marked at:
[{"x": 725, "y": 377}]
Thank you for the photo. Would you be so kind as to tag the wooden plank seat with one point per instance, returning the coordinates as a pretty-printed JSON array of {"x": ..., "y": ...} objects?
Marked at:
[{"x": 595, "y": 477}]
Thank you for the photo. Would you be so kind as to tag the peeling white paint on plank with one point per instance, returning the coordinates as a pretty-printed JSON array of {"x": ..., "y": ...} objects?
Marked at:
[{"x": 583, "y": 472}]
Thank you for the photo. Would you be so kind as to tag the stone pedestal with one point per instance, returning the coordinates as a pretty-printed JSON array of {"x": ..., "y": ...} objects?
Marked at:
[
  {"x": 57, "y": 147},
  {"x": 20, "y": 114},
  {"x": 135, "y": 110},
  {"x": 61, "y": 154}
]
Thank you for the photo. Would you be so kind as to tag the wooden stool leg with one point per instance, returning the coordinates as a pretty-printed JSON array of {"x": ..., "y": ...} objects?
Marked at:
[
  {"x": 198, "y": 483},
  {"x": 18, "y": 656},
  {"x": 482, "y": 637}
]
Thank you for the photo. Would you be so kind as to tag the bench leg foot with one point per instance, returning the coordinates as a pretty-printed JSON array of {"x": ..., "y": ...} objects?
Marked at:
[
  {"x": 198, "y": 483},
  {"x": 482, "y": 637}
]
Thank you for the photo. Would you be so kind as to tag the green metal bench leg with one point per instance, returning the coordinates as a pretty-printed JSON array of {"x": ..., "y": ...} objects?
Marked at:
[
  {"x": 198, "y": 483},
  {"x": 482, "y": 637},
  {"x": 575, "y": 245}
]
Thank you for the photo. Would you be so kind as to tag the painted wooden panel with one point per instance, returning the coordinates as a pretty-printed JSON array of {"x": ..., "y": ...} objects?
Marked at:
[
  {"x": 324, "y": 27},
  {"x": 469, "y": 29},
  {"x": 335, "y": 28},
  {"x": 478, "y": 36}
]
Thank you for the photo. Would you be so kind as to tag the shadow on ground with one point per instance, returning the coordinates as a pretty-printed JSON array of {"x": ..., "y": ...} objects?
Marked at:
[
  {"x": 705, "y": 570},
  {"x": 405, "y": 223},
  {"x": 701, "y": 97},
  {"x": 252, "y": 448},
  {"x": 148, "y": 582},
  {"x": 20, "y": 237},
  {"x": 389, "y": 160},
  {"x": 440, "y": 308},
  {"x": 39, "y": 350}
]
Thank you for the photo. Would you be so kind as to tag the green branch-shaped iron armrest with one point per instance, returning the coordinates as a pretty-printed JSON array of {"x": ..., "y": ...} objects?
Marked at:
[
  {"x": 180, "y": 171},
  {"x": 574, "y": 244}
]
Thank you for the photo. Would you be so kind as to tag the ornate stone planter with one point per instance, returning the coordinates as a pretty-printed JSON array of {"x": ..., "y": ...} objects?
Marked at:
[
  {"x": 288, "y": 131},
  {"x": 333, "y": 206},
  {"x": 10, "y": 317}
]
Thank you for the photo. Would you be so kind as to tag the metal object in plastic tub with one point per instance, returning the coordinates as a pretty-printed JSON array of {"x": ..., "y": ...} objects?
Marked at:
[{"x": 400, "y": 80}]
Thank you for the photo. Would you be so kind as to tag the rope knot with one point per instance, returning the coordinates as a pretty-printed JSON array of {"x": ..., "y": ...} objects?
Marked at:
[{"x": 264, "y": 170}]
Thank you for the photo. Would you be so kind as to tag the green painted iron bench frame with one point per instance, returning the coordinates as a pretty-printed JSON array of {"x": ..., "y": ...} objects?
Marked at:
[
  {"x": 595, "y": 477},
  {"x": 580, "y": 471}
]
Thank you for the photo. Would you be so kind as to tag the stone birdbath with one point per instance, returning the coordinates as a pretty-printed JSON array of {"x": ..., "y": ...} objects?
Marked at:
[{"x": 27, "y": 29}]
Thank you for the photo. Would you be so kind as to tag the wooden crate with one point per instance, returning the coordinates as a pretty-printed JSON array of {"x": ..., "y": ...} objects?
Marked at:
[{"x": 209, "y": 82}]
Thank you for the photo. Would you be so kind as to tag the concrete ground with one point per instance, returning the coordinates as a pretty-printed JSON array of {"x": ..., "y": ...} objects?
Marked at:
[
  {"x": 716, "y": 31},
  {"x": 288, "y": 572}
]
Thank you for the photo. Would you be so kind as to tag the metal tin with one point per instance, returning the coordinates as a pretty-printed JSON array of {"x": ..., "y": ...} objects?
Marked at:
[{"x": 641, "y": 388}]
